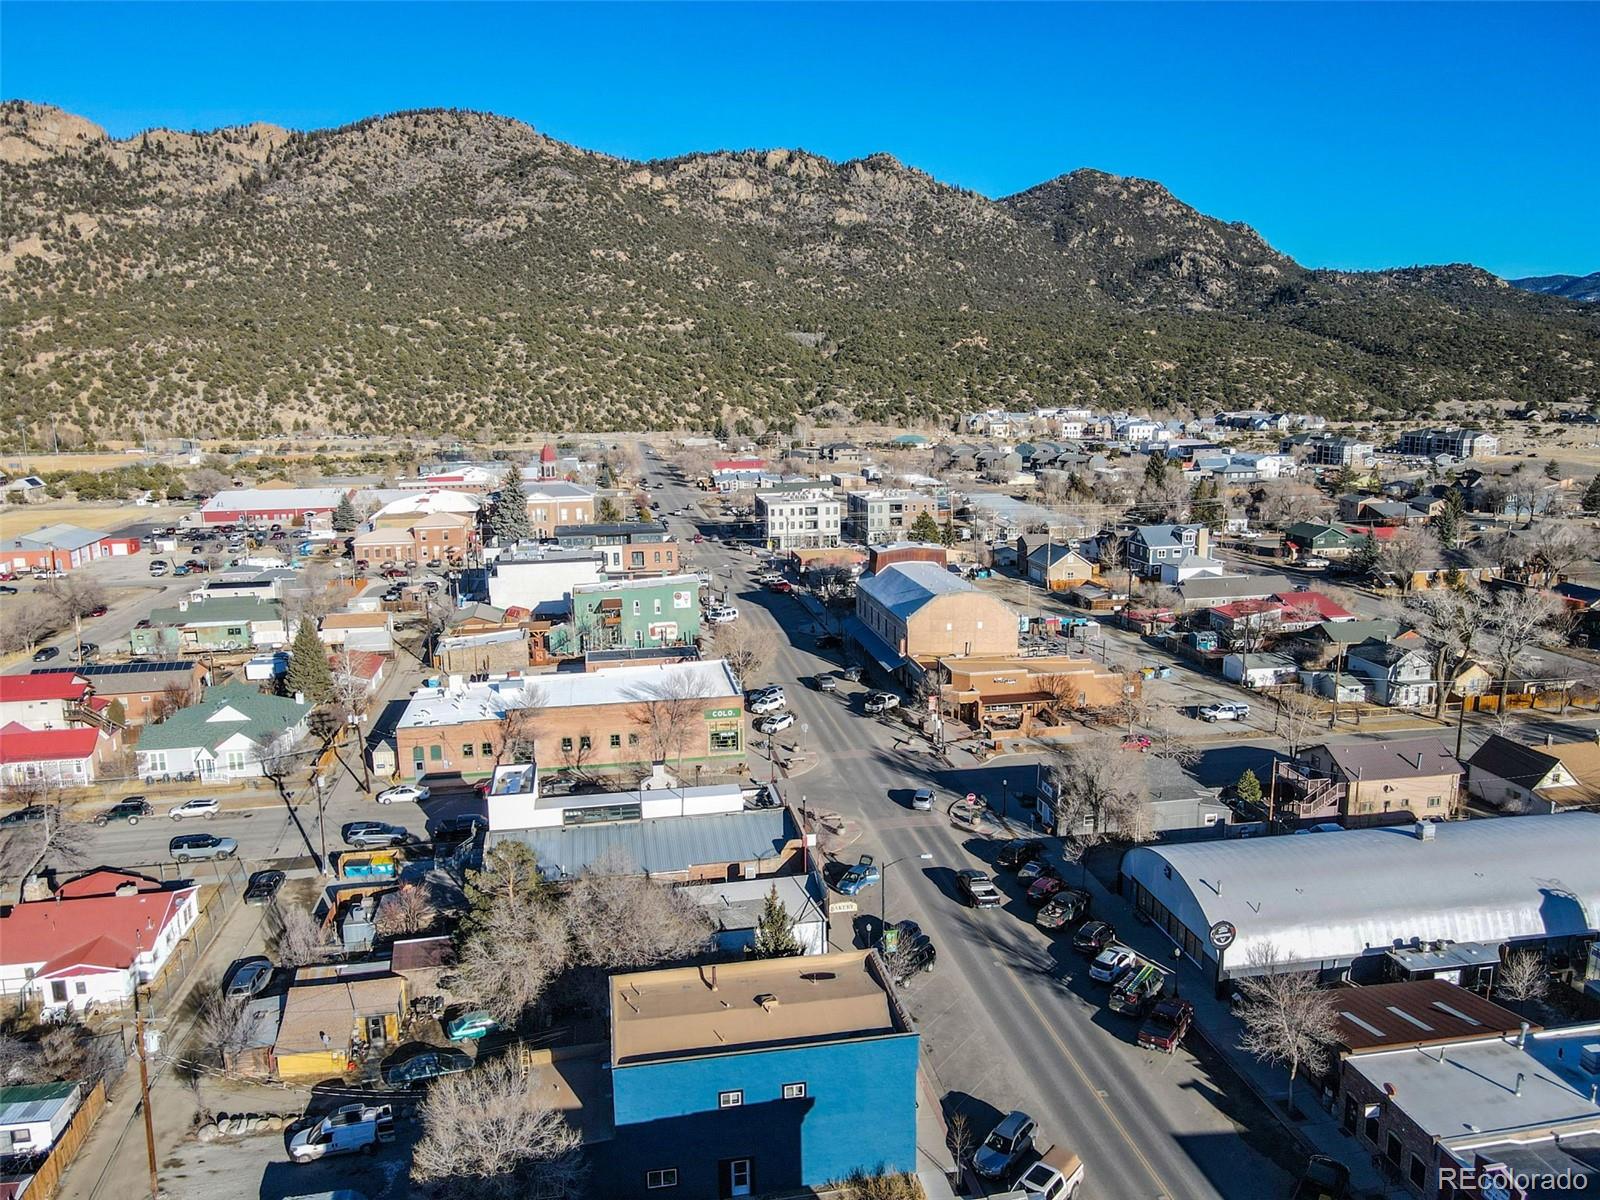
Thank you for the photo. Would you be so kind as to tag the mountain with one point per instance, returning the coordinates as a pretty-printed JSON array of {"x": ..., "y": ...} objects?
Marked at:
[
  {"x": 1583, "y": 288},
  {"x": 449, "y": 271}
]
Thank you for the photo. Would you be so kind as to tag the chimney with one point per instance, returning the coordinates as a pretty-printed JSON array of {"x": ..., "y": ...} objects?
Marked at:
[
  {"x": 1520, "y": 1078},
  {"x": 1549, "y": 739},
  {"x": 299, "y": 697},
  {"x": 1522, "y": 1036}
]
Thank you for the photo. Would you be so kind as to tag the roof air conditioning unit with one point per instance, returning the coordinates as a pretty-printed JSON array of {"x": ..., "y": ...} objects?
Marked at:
[
  {"x": 748, "y": 870},
  {"x": 1589, "y": 1058}
]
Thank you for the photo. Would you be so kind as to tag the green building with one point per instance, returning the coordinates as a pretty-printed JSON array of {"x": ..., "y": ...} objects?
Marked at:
[
  {"x": 222, "y": 626},
  {"x": 630, "y": 613}
]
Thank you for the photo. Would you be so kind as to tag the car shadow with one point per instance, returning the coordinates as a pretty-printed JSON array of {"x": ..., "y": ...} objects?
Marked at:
[{"x": 944, "y": 878}]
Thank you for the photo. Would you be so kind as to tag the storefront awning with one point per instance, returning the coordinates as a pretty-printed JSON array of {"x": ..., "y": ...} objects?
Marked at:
[{"x": 879, "y": 650}]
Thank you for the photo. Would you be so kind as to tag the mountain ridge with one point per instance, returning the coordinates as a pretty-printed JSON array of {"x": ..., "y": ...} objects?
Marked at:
[{"x": 439, "y": 269}]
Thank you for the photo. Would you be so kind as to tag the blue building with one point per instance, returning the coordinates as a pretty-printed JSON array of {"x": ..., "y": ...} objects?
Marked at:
[{"x": 747, "y": 1078}]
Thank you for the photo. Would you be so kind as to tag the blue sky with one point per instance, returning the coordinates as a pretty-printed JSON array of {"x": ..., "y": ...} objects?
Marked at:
[{"x": 1350, "y": 135}]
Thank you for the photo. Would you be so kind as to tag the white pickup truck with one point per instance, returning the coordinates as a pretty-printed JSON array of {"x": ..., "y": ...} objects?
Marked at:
[
  {"x": 355, "y": 1127},
  {"x": 1056, "y": 1176}
]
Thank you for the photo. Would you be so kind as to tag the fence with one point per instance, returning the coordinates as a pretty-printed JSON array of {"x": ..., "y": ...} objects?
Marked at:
[
  {"x": 155, "y": 996},
  {"x": 46, "y": 1179}
]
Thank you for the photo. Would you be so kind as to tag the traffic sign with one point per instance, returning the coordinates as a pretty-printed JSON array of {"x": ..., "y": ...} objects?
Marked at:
[{"x": 1222, "y": 934}]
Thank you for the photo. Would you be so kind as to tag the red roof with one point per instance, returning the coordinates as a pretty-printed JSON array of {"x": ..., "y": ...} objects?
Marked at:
[
  {"x": 19, "y": 744},
  {"x": 97, "y": 956},
  {"x": 104, "y": 881},
  {"x": 49, "y": 685},
  {"x": 548, "y": 454},
  {"x": 1328, "y": 610},
  {"x": 364, "y": 664},
  {"x": 109, "y": 926},
  {"x": 1247, "y": 608},
  {"x": 740, "y": 464}
]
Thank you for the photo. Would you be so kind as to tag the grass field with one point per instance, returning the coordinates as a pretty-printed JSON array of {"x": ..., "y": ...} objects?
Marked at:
[{"x": 16, "y": 519}]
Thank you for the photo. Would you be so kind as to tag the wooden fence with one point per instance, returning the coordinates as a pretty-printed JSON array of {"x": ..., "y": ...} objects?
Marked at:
[{"x": 48, "y": 1177}]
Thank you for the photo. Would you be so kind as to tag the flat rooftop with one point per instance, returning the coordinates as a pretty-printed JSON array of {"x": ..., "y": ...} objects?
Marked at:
[
  {"x": 1387, "y": 1015},
  {"x": 719, "y": 1008}
]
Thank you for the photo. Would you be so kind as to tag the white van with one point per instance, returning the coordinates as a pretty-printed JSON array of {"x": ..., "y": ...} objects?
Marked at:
[{"x": 353, "y": 1128}]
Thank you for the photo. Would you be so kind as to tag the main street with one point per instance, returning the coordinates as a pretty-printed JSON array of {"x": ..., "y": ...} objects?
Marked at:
[{"x": 1009, "y": 1018}]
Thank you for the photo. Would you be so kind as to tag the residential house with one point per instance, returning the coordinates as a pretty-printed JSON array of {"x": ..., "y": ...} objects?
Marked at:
[
  {"x": 1205, "y": 591},
  {"x": 62, "y": 547},
  {"x": 1057, "y": 566},
  {"x": 1518, "y": 778},
  {"x": 297, "y": 507},
  {"x": 45, "y": 700},
  {"x": 631, "y": 612},
  {"x": 1311, "y": 538},
  {"x": 70, "y": 757},
  {"x": 913, "y": 613},
  {"x": 235, "y": 732},
  {"x": 555, "y": 502},
  {"x": 328, "y": 1013},
  {"x": 1378, "y": 782},
  {"x": 212, "y": 626},
  {"x": 1258, "y": 671},
  {"x": 94, "y": 939},
  {"x": 879, "y": 517},
  {"x": 793, "y": 520},
  {"x": 372, "y": 631},
  {"x": 23, "y": 489},
  {"x": 33, "y": 1116},
  {"x": 1148, "y": 547},
  {"x": 1188, "y": 567},
  {"x": 734, "y": 908},
  {"x": 1401, "y": 673},
  {"x": 631, "y": 548},
  {"x": 842, "y": 452},
  {"x": 480, "y": 618},
  {"x": 1252, "y": 621},
  {"x": 141, "y": 687},
  {"x": 738, "y": 474},
  {"x": 775, "y": 1075},
  {"x": 603, "y": 722}
]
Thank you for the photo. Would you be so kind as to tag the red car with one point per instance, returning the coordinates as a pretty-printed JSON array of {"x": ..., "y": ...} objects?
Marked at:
[
  {"x": 698, "y": 538},
  {"x": 99, "y": 610},
  {"x": 1044, "y": 887},
  {"x": 1164, "y": 1028},
  {"x": 393, "y": 573},
  {"x": 781, "y": 585},
  {"x": 1139, "y": 742}
]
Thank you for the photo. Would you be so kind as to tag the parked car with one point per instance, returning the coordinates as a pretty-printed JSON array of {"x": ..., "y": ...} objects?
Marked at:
[
  {"x": 425, "y": 1065},
  {"x": 1136, "y": 991},
  {"x": 471, "y": 1026},
  {"x": 1056, "y": 1176},
  {"x": 197, "y": 806},
  {"x": 1314, "y": 562},
  {"x": 462, "y": 827},
  {"x": 1044, "y": 887},
  {"x": 781, "y": 585},
  {"x": 1067, "y": 907},
  {"x": 189, "y": 846},
  {"x": 24, "y": 816},
  {"x": 881, "y": 702},
  {"x": 852, "y": 673},
  {"x": 1029, "y": 871},
  {"x": 129, "y": 809},
  {"x": 1168, "y": 1021},
  {"x": 827, "y": 683},
  {"x": 403, "y": 793},
  {"x": 771, "y": 692},
  {"x": 1093, "y": 937},
  {"x": 722, "y": 615},
  {"x": 99, "y": 610},
  {"x": 1138, "y": 741},
  {"x": 765, "y": 704},
  {"x": 45, "y": 653},
  {"x": 1232, "y": 711},
  {"x": 86, "y": 651},
  {"x": 355, "y": 1127},
  {"x": 1112, "y": 962},
  {"x": 263, "y": 888},
  {"x": 374, "y": 835},
  {"x": 978, "y": 890},
  {"x": 1017, "y": 852},
  {"x": 1006, "y": 1146},
  {"x": 1323, "y": 1179},
  {"x": 859, "y": 876},
  {"x": 7, "y": 590},
  {"x": 922, "y": 800},
  {"x": 158, "y": 567},
  {"x": 776, "y": 723},
  {"x": 912, "y": 956},
  {"x": 247, "y": 977}
]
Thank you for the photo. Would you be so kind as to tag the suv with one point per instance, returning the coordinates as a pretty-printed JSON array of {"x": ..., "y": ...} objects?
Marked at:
[
  {"x": 762, "y": 704},
  {"x": 1093, "y": 937},
  {"x": 374, "y": 835},
  {"x": 158, "y": 566},
  {"x": 200, "y": 806},
  {"x": 827, "y": 683},
  {"x": 188, "y": 846},
  {"x": 881, "y": 702},
  {"x": 128, "y": 809},
  {"x": 1223, "y": 712},
  {"x": 775, "y": 723},
  {"x": 1006, "y": 1146},
  {"x": 1017, "y": 852}
]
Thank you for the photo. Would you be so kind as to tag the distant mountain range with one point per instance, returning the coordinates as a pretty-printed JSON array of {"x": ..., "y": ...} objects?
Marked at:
[
  {"x": 1583, "y": 288},
  {"x": 448, "y": 271}
]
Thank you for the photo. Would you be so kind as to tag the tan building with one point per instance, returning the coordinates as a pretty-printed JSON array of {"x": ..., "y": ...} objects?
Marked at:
[
  {"x": 553, "y": 502},
  {"x": 915, "y": 613},
  {"x": 440, "y": 536},
  {"x": 385, "y": 545},
  {"x": 494, "y": 653},
  {"x": 1025, "y": 694},
  {"x": 1371, "y": 783}
]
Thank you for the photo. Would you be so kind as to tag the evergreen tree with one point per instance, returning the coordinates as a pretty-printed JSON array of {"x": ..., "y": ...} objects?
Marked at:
[
  {"x": 1155, "y": 468},
  {"x": 1205, "y": 505},
  {"x": 1364, "y": 560},
  {"x": 344, "y": 516},
  {"x": 1551, "y": 469},
  {"x": 925, "y": 528},
  {"x": 1447, "y": 525},
  {"x": 948, "y": 534},
  {"x": 1591, "y": 497},
  {"x": 1248, "y": 788},
  {"x": 508, "y": 515},
  {"x": 308, "y": 671},
  {"x": 609, "y": 512},
  {"x": 775, "y": 930}
]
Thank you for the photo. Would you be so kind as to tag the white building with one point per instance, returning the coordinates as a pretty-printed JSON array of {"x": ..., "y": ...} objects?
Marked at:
[
  {"x": 734, "y": 909},
  {"x": 801, "y": 520},
  {"x": 33, "y": 1116},
  {"x": 542, "y": 581}
]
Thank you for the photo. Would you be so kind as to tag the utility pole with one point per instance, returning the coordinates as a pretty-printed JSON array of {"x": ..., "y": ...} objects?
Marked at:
[{"x": 144, "y": 1080}]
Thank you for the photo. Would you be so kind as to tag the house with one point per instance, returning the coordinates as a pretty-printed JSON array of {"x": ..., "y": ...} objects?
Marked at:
[
  {"x": 1206, "y": 591},
  {"x": 45, "y": 700},
  {"x": 1542, "y": 778},
  {"x": 1306, "y": 610},
  {"x": 1148, "y": 547},
  {"x": 372, "y": 631},
  {"x": 1190, "y": 566},
  {"x": 297, "y": 507},
  {"x": 93, "y": 940},
  {"x": 555, "y": 502},
  {"x": 768, "y": 1076},
  {"x": 1057, "y": 566},
  {"x": 498, "y": 652},
  {"x": 478, "y": 617},
  {"x": 236, "y": 732},
  {"x": 738, "y": 474},
  {"x": 62, "y": 547},
  {"x": 734, "y": 908},
  {"x": 1001, "y": 692},
  {"x": 804, "y": 518},
  {"x": 1401, "y": 673},
  {"x": 630, "y": 548},
  {"x": 69, "y": 757},
  {"x": 326, "y": 1014},
  {"x": 23, "y": 489},
  {"x": 140, "y": 687},
  {"x": 1393, "y": 780},
  {"x": 916, "y": 612},
  {"x": 1452, "y": 1118},
  {"x": 212, "y": 626},
  {"x": 607, "y": 722},
  {"x": 1260, "y": 670},
  {"x": 1341, "y": 689},
  {"x": 1308, "y": 538},
  {"x": 1329, "y": 639},
  {"x": 33, "y": 1116},
  {"x": 877, "y": 517},
  {"x": 631, "y": 612},
  {"x": 357, "y": 673},
  {"x": 1255, "y": 619}
]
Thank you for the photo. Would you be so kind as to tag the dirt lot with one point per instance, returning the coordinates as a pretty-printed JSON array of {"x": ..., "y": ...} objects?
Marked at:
[{"x": 16, "y": 519}]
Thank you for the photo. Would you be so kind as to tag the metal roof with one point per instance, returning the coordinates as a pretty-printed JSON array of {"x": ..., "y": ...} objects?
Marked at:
[
  {"x": 662, "y": 846},
  {"x": 905, "y": 587},
  {"x": 1418, "y": 1011},
  {"x": 1332, "y": 897},
  {"x": 30, "y": 1103}
]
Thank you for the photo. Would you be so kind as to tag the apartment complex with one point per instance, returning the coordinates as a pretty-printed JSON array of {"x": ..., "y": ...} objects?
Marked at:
[
  {"x": 875, "y": 518},
  {"x": 800, "y": 520},
  {"x": 1458, "y": 443},
  {"x": 626, "y": 547}
]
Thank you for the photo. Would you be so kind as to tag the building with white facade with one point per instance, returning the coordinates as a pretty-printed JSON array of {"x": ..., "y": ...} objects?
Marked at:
[{"x": 800, "y": 520}]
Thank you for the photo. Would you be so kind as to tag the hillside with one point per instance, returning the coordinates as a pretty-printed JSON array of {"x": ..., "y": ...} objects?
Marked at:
[
  {"x": 1583, "y": 288},
  {"x": 454, "y": 271}
]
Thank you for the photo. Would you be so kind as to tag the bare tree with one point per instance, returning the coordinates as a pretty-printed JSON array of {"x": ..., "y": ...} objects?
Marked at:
[
  {"x": 54, "y": 839},
  {"x": 1517, "y": 621},
  {"x": 511, "y": 957},
  {"x": 1557, "y": 546},
  {"x": 1288, "y": 1020},
  {"x": 407, "y": 910},
  {"x": 1450, "y": 621},
  {"x": 168, "y": 701},
  {"x": 1168, "y": 739},
  {"x": 748, "y": 649},
  {"x": 490, "y": 1134},
  {"x": 1404, "y": 554},
  {"x": 222, "y": 1025},
  {"x": 76, "y": 596},
  {"x": 1100, "y": 794},
  {"x": 668, "y": 713},
  {"x": 621, "y": 920},
  {"x": 25, "y": 626},
  {"x": 206, "y": 481},
  {"x": 1297, "y": 717},
  {"x": 302, "y": 940},
  {"x": 314, "y": 595},
  {"x": 1522, "y": 979},
  {"x": 1285, "y": 502}
]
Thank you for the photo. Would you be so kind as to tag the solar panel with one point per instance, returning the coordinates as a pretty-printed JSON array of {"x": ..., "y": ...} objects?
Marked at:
[{"x": 127, "y": 668}]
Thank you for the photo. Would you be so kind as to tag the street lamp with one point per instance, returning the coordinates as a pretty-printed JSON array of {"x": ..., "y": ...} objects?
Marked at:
[
  {"x": 805, "y": 728},
  {"x": 883, "y": 897}
]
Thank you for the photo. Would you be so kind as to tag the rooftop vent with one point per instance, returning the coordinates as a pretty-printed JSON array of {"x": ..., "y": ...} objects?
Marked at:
[
  {"x": 767, "y": 1001},
  {"x": 1425, "y": 831},
  {"x": 127, "y": 889}
]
